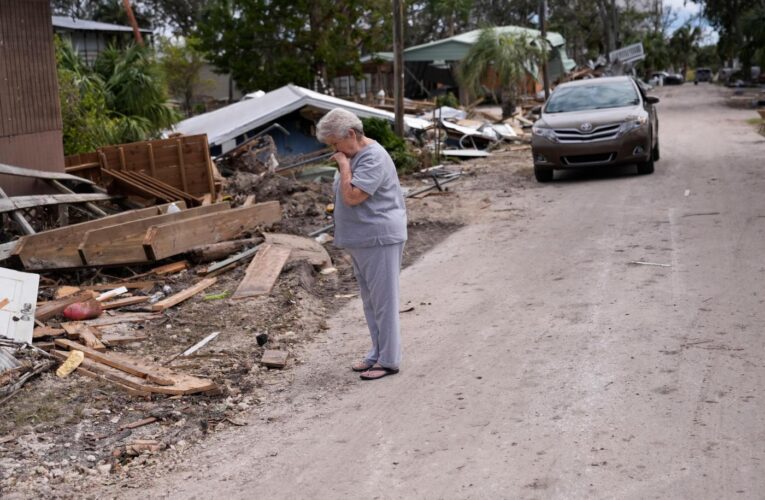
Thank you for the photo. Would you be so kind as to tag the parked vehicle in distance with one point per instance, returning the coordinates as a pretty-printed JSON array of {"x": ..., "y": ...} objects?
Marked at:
[
  {"x": 702, "y": 75},
  {"x": 594, "y": 123},
  {"x": 664, "y": 78}
]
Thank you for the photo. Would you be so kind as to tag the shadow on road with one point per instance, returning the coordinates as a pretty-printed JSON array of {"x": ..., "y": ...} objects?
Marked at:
[{"x": 595, "y": 174}]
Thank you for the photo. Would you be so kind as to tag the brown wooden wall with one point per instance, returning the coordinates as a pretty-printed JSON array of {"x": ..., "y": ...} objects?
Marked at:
[
  {"x": 182, "y": 162},
  {"x": 30, "y": 115}
]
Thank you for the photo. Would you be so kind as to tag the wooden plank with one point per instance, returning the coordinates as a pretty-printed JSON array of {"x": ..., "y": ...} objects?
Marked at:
[
  {"x": 144, "y": 286},
  {"x": 4, "y": 302},
  {"x": 127, "y": 301},
  {"x": 262, "y": 272},
  {"x": 41, "y": 200},
  {"x": 134, "y": 367},
  {"x": 166, "y": 240},
  {"x": 173, "y": 267},
  {"x": 249, "y": 201},
  {"x": 183, "y": 295},
  {"x": 274, "y": 359},
  {"x": 39, "y": 174},
  {"x": 152, "y": 164},
  {"x": 58, "y": 248},
  {"x": 49, "y": 309},
  {"x": 18, "y": 216},
  {"x": 100, "y": 371},
  {"x": 182, "y": 166},
  {"x": 46, "y": 331},
  {"x": 135, "y": 317},
  {"x": 88, "y": 336},
  {"x": 66, "y": 291},
  {"x": 123, "y": 243},
  {"x": 207, "y": 199},
  {"x": 123, "y": 338},
  {"x": 182, "y": 384}
]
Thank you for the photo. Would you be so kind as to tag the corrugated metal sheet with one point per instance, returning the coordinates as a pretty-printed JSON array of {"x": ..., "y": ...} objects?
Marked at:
[
  {"x": 227, "y": 123},
  {"x": 7, "y": 361},
  {"x": 72, "y": 23},
  {"x": 28, "y": 90}
]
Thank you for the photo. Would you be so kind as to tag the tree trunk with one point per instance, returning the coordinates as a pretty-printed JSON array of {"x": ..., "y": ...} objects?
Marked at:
[{"x": 508, "y": 102}]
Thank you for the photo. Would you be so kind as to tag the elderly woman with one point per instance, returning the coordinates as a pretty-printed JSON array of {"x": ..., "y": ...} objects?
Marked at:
[{"x": 370, "y": 224}]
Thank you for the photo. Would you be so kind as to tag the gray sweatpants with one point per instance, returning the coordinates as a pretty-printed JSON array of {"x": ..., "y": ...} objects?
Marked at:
[{"x": 377, "y": 270}]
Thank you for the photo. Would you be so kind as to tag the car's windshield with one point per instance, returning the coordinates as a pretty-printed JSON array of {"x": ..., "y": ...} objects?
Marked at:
[{"x": 595, "y": 96}]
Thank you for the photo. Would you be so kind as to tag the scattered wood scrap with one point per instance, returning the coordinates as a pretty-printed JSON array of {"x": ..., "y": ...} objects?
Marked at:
[
  {"x": 46, "y": 331},
  {"x": 274, "y": 359},
  {"x": 135, "y": 374},
  {"x": 172, "y": 268},
  {"x": 262, "y": 272},
  {"x": 183, "y": 295},
  {"x": 127, "y": 301}
]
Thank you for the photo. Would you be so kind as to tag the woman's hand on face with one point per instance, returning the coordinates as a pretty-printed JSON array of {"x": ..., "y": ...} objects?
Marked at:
[{"x": 342, "y": 161}]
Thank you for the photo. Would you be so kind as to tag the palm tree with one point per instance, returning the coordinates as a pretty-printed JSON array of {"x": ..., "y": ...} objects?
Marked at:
[
  {"x": 683, "y": 44},
  {"x": 510, "y": 57}
]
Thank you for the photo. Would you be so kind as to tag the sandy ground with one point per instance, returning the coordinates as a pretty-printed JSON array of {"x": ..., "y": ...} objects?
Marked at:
[{"x": 539, "y": 362}]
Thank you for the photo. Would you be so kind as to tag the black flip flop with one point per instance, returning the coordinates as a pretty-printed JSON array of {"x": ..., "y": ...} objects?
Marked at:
[{"x": 388, "y": 371}]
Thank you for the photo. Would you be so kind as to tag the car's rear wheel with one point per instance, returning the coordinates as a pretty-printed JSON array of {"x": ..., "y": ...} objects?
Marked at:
[{"x": 543, "y": 174}]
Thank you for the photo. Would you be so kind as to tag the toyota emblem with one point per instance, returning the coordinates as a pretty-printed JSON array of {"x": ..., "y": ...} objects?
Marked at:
[{"x": 585, "y": 127}]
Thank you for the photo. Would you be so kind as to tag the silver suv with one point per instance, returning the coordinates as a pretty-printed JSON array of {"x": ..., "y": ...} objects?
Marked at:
[{"x": 593, "y": 123}]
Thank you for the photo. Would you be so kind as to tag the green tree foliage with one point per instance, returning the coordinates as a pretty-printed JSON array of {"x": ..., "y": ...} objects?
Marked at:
[
  {"x": 105, "y": 11},
  {"x": 683, "y": 46},
  {"x": 264, "y": 44},
  {"x": 381, "y": 131},
  {"x": 121, "y": 99},
  {"x": 182, "y": 62},
  {"x": 741, "y": 25},
  {"x": 508, "y": 56}
]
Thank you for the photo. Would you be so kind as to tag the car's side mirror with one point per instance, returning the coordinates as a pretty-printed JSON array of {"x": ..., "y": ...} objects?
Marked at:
[{"x": 649, "y": 99}]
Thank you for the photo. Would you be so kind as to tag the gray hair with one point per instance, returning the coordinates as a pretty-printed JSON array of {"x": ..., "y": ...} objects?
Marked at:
[{"x": 337, "y": 123}]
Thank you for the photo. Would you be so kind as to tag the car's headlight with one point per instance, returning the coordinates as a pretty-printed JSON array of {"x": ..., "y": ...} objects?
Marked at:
[
  {"x": 632, "y": 123},
  {"x": 545, "y": 132}
]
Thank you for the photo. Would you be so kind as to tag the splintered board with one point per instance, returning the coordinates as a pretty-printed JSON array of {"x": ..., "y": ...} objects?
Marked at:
[
  {"x": 262, "y": 272},
  {"x": 166, "y": 240},
  {"x": 123, "y": 243}
]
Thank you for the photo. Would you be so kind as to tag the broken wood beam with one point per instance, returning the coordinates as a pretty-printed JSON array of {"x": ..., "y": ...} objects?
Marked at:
[
  {"x": 172, "y": 268},
  {"x": 274, "y": 359},
  {"x": 127, "y": 301},
  {"x": 170, "y": 239},
  {"x": 262, "y": 272},
  {"x": 17, "y": 216},
  {"x": 41, "y": 200},
  {"x": 123, "y": 243},
  {"x": 117, "y": 361},
  {"x": 183, "y": 295},
  {"x": 58, "y": 248}
]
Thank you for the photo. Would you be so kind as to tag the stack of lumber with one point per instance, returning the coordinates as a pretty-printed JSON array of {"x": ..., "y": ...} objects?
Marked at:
[
  {"x": 141, "y": 236},
  {"x": 149, "y": 187}
]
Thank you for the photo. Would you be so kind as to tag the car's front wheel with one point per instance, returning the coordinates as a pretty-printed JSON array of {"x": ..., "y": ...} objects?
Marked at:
[
  {"x": 645, "y": 167},
  {"x": 543, "y": 174}
]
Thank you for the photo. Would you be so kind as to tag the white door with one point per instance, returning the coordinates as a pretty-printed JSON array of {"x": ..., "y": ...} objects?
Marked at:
[{"x": 18, "y": 297}]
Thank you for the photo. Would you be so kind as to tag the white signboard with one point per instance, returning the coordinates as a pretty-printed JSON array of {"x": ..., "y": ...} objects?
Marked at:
[{"x": 18, "y": 298}]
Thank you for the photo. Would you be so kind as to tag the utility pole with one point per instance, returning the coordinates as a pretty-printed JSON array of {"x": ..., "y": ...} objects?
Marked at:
[
  {"x": 398, "y": 66},
  {"x": 133, "y": 22},
  {"x": 543, "y": 30}
]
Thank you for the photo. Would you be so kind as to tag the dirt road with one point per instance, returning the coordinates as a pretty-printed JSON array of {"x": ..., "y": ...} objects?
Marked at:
[{"x": 541, "y": 363}]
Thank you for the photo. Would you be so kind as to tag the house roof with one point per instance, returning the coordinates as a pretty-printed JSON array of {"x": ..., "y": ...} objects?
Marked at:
[
  {"x": 235, "y": 119},
  {"x": 456, "y": 47},
  {"x": 74, "y": 24}
]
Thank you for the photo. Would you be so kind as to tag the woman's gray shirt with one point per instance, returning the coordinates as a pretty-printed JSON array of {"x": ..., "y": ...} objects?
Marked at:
[{"x": 381, "y": 218}]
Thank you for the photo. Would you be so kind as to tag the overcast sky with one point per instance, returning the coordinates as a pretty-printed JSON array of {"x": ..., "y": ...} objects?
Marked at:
[{"x": 685, "y": 10}]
